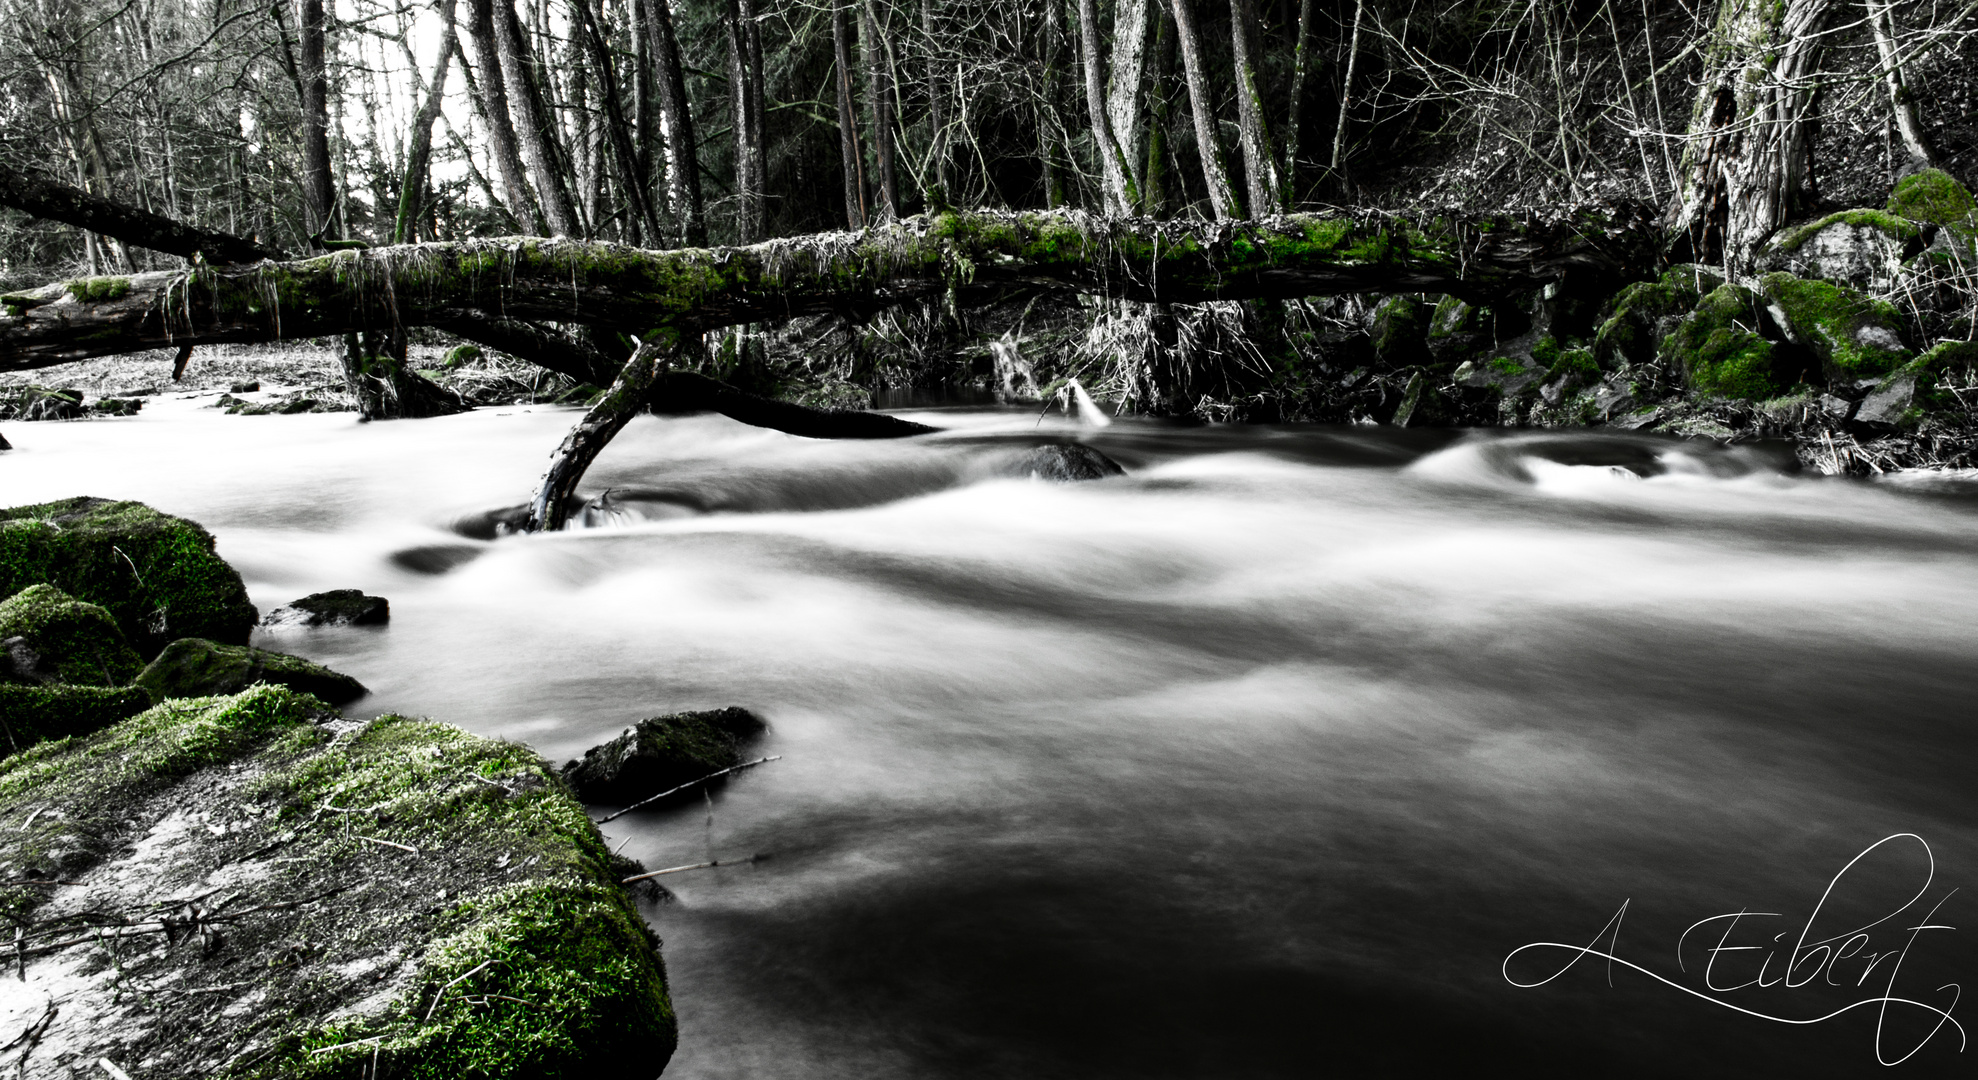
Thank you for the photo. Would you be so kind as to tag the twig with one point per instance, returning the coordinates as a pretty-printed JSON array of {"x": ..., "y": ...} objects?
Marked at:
[
  {"x": 437, "y": 998},
  {"x": 758, "y": 857},
  {"x": 345, "y": 1046},
  {"x": 688, "y": 784},
  {"x": 110, "y": 1067},
  {"x": 391, "y": 843}
]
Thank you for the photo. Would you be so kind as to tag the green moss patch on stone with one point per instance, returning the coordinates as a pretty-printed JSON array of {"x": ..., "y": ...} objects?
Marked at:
[
  {"x": 1719, "y": 348},
  {"x": 398, "y": 892},
  {"x": 30, "y": 714},
  {"x": 1934, "y": 196},
  {"x": 1629, "y": 335},
  {"x": 195, "y": 667},
  {"x": 1854, "y": 335},
  {"x": 1890, "y": 223},
  {"x": 75, "y": 642},
  {"x": 1400, "y": 327},
  {"x": 156, "y": 574}
]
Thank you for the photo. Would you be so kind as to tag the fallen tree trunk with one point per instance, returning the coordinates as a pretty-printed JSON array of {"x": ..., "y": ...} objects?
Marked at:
[
  {"x": 73, "y": 206},
  {"x": 971, "y": 256}
]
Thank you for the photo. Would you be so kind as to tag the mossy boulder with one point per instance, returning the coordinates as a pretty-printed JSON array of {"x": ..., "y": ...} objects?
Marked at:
[
  {"x": 307, "y": 896},
  {"x": 157, "y": 575},
  {"x": 660, "y": 753},
  {"x": 1854, "y": 335},
  {"x": 337, "y": 607},
  {"x": 463, "y": 354},
  {"x": 1863, "y": 249},
  {"x": 1400, "y": 329},
  {"x": 41, "y": 403},
  {"x": 33, "y": 713},
  {"x": 1456, "y": 329},
  {"x": 57, "y": 638},
  {"x": 195, "y": 667},
  {"x": 1641, "y": 315},
  {"x": 1721, "y": 350},
  {"x": 1934, "y": 197}
]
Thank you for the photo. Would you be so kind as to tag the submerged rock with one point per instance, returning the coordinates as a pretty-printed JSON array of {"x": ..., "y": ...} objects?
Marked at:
[
  {"x": 157, "y": 575},
  {"x": 195, "y": 667},
  {"x": 338, "y": 607},
  {"x": 1065, "y": 463},
  {"x": 660, "y": 753},
  {"x": 50, "y": 636},
  {"x": 308, "y": 896}
]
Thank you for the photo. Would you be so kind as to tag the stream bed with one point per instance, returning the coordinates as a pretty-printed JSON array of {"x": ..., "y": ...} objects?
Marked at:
[{"x": 1263, "y": 760}]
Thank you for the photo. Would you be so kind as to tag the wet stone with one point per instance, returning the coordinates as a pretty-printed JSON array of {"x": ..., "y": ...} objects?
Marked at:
[
  {"x": 338, "y": 607},
  {"x": 194, "y": 667},
  {"x": 660, "y": 753}
]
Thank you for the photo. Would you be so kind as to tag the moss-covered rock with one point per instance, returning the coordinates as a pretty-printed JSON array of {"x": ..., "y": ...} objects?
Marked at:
[
  {"x": 463, "y": 354},
  {"x": 33, "y": 713},
  {"x": 1854, "y": 335},
  {"x": 41, "y": 403},
  {"x": 70, "y": 641},
  {"x": 1864, "y": 249},
  {"x": 1721, "y": 350},
  {"x": 1400, "y": 329},
  {"x": 331, "y": 898},
  {"x": 1456, "y": 329},
  {"x": 661, "y": 753},
  {"x": 1934, "y": 197},
  {"x": 1644, "y": 313},
  {"x": 195, "y": 667},
  {"x": 157, "y": 575}
]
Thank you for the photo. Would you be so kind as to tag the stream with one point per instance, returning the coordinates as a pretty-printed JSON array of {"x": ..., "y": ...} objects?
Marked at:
[{"x": 1263, "y": 760}]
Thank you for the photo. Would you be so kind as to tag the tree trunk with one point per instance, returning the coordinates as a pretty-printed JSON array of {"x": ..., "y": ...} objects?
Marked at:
[
  {"x": 73, "y": 206},
  {"x": 1208, "y": 144},
  {"x": 974, "y": 257},
  {"x": 413, "y": 187},
  {"x": 534, "y": 131},
  {"x": 1126, "y": 100},
  {"x": 1050, "y": 128},
  {"x": 1745, "y": 165},
  {"x": 501, "y": 129},
  {"x": 1112, "y": 177},
  {"x": 939, "y": 82},
  {"x": 745, "y": 102},
  {"x": 619, "y": 133},
  {"x": 1160, "y": 115},
  {"x": 879, "y": 108},
  {"x": 318, "y": 193},
  {"x": 1908, "y": 124},
  {"x": 1260, "y": 172},
  {"x": 1301, "y": 64},
  {"x": 683, "y": 170},
  {"x": 848, "y": 139},
  {"x": 1346, "y": 96}
]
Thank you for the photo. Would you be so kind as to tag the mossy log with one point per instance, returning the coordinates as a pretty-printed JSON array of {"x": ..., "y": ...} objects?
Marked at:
[
  {"x": 969, "y": 256},
  {"x": 57, "y": 201}
]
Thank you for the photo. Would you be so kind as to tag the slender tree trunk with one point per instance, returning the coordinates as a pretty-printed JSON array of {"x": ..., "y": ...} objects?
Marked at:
[
  {"x": 1301, "y": 65},
  {"x": 318, "y": 192},
  {"x": 1050, "y": 129},
  {"x": 1908, "y": 124},
  {"x": 1112, "y": 176},
  {"x": 1346, "y": 93},
  {"x": 620, "y": 134},
  {"x": 848, "y": 140},
  {"x": 1745, "y": 165},
  {"x": 534, "y": 130},
  {"x": 879, "y": 106},
  {"x": 412, "y": 188},
  {"x": 1160, "y": 115},
  {"x": 1260, "y": 172},
  {"x": 1208, "y": 144},
  {"x": 683, "y": 170},
  {"x": 1126, "y": 100},
  {"x": 502, "y": 143},
  {"x": 939, "y": 80},
  {"x": 742, "y": 104}
]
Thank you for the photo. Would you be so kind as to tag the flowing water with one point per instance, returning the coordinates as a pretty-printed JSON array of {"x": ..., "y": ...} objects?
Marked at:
[{"x": 1259, "y": 761}]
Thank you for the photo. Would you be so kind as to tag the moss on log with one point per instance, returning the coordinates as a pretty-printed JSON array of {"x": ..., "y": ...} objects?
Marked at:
[{"x": 967, "y": 255}]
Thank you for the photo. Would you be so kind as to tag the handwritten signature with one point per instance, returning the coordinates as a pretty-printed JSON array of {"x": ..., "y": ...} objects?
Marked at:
[{"x": 1838, "y": 960}]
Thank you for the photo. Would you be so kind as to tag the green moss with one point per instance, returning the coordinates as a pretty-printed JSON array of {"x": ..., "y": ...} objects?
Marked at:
[
  {"x": 1400, "y": 327},
  {"x": 1854, "y": 335},
  {"x": 1884, "y": 221},
  {"x": 99, "y": 288},
  {"x": 33, "y": 714},
  {"x": 1628, "y": 336},
  {"x": 1720, "y": 350},
  {"x": 195, "y": 667},
  {"x": 77, "y": 643},
  {"x": 1507, "y": 366},
  {"x": 1574, "y": 362},
  {"x": 1934, "y": 196},
  {"x": 157, "y": 575}
]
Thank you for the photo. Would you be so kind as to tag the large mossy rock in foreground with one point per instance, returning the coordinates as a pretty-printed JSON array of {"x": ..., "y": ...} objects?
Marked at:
[
  {"x": 661, "y": 753},
  {"x": 297, "y": 895},
  {"x": 157, "y": 575},
  {"x": 195, "y": 667},
  {"x": 53, "y": 637}
]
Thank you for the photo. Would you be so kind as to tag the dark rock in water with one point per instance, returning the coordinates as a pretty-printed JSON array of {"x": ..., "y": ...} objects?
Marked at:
[
  {"x": 35, "y": 714},
  {"x": 248, "y": 387},
  {"x": 338, "y": 607},
  {"x": 1064, "y": 462},
  {"x": 435, "y": 558},
  {"x": 462, "y": 918},
  {"x": 41, "y": 403},
  {"x": 660, "y": 753},
  {"x": 50, "y": 636},
  {"x": 194, "y": 667},
  {"x": 110, "y": 406},
  {"x": 157, "y": 575},
  {"x": 4, "y": 444}
]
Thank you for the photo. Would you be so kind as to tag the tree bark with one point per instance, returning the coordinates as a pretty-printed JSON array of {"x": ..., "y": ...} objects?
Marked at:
[
  {"x": 683, "y": 170},
  {"x": 412, "y": 188},
  {"x": 1208, "y": 144},
  {"x": 1260, "y": 174},
  {"x": 1160, "y": 116},
  {"x": 534, "y": 132},
  {"x": 1301, "y": 64},
  {"x": 1745, "y": 165},
  {"x": 973, "y": 256},
  {"x": 745, "y": 104},
  {"x": 501, "y": 129},
  {"x": 619, "y": 132},
  {"x": 318, "y": 193},
  {"x": 1126, "y": 99},
  {"x": 879, "y": 108},
  {"x": 73, "y": 206},
  {"x": 1346, "y": 94},
  {"x": 848, "y": 139},
  {"x": 1112, "y": 177}
]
